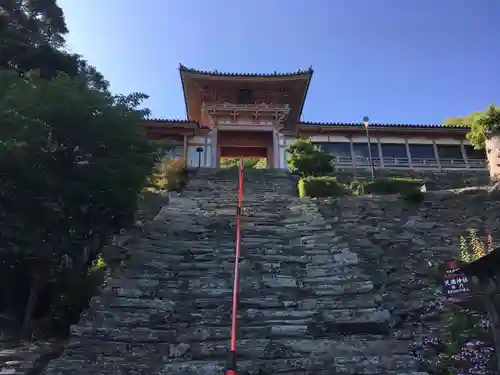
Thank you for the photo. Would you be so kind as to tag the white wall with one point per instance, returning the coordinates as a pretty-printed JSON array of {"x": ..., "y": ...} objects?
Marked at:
[
  {"x": 287, "y": 140},
  {"x": 206, "y": 154}
]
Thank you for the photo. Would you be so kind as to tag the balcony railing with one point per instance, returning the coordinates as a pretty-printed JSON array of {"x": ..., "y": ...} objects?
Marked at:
[
  {"x": 424, "y": 163},
  {"x": 396, "y": 162},
  {"x": 477, "y": 163},
  {"x": 246, "y": 107}
]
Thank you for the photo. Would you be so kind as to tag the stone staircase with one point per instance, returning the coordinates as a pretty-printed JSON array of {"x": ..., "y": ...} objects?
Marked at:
[{"x": 305, "y": 307}]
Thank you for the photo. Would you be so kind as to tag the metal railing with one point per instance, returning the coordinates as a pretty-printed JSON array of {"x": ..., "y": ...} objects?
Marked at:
[{"x": 430, "y": 163}]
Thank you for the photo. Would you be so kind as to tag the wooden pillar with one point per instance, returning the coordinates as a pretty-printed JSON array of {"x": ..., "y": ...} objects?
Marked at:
[
  {"x": 464, "y": 154},
  {"x": 408, "y": 153},
  {"x": 217, "y": 156},
  {"x": 276, "y": 149},
  {"x": 353, "y": 157},
  {"x": 436, "y": 154},
  {"x": 185, "y": 150},
  {"x": 380, "y": 155},
  {"x": 270, "y": 157}
]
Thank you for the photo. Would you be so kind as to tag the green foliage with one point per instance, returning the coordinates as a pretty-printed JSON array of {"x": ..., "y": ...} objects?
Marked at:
[
  {"x": 482, "y": 125},
  {"x": 253, "y": 163},
  {"x": 463, "y": 120},
  {"x": 176, "y": 175},
  {"x": 464, "y": 346},
  {"x": 73, "y": 160},
  {"x": 32, "y": 38},
  {"x": 323, "y": 186},
  {"x": 384, "y": 186},
  {"x": 306, "y": 160},
  {"x": 329, "y": 186},
  {"x": 68, "y": 295}
]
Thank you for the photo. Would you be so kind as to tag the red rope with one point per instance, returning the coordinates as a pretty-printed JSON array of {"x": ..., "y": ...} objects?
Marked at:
[{"x": 231, "y": 365}]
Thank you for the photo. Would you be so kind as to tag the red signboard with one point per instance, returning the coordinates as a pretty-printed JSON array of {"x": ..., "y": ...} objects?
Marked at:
[{"x": 456, "y": 285}]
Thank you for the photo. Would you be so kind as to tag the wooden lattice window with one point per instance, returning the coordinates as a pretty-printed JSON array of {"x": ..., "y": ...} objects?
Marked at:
[{"x": 245, "y": 96}]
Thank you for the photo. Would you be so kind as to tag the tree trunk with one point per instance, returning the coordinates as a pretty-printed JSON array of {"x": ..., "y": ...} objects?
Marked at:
[{"x": 39, "y": 279}]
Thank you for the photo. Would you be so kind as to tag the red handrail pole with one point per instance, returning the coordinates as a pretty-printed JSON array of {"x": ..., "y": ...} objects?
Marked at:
[{"x": 231, "y": 364}]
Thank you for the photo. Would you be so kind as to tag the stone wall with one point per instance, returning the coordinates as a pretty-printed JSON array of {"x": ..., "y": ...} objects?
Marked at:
[
  {"x": 447, "y": 179},
  {"x": 400, "y": 243}
]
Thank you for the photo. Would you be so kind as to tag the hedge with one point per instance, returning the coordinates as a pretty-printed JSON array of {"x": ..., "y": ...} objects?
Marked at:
[
  {"x": 324, "y": 186},
  {"x": 390, "y": 186}
]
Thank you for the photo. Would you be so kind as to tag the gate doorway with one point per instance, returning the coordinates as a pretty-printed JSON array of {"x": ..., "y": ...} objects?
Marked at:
[
  {"x": 254, "y": 157},
  {"x": 253, "y": 163},
  {"x": 245, "y": 144}
]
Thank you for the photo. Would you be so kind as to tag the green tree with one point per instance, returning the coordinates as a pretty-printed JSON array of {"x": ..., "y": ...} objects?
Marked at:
[
  {"x": 307, "y": 160},
  {"x": 32, "y": 38},
  {"x": 73, "y": 160},
  {"x": 462, "y": 120},
  {"x": 484, "y": 125}
]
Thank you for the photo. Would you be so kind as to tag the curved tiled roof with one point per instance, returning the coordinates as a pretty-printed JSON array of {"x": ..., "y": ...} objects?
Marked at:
[
  {"x": 183, "y": 68},
  {"x": 378, "y": 125},
  {"x": 171, "y": 120}
]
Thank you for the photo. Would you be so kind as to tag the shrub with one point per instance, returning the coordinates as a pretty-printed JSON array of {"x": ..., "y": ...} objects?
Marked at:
[
  {"x": 465, "y": 347},
  {"x": 325, "y": 186},
  {"x": 306, "y": 160},
  {"x": 176, "y": 175},
  {"x": 66, "y": 298},
  {"x": 484, "y": 126},
  {"x": 390, "y": 186}
]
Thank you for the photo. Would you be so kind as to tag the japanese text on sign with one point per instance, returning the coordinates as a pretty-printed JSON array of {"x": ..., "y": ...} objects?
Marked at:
[{"x": 456, "y": 284}]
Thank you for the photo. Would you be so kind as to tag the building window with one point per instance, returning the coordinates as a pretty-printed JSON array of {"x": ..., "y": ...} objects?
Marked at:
[
  {"x": 450, "y": 156},
  {"x": 474, "y": 154},
  {"x": 362, "y": 154},
  {"x": 449, "y": 152},
  {"x": 422, "y": 155},
  {"x": 245, "y": 96},
  {"x": 335, "y": 148},
  {"x": 476, "y": 158},
  {"x": 341, "y": 151},
  {"x": 394, "y": 154}
]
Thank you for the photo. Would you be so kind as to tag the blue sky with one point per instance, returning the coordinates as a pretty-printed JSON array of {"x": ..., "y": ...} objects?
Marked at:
[{"x": 397, "y": 61}]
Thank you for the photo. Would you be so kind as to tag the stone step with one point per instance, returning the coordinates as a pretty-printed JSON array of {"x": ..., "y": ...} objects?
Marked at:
[
  {"x": 248, "y": 270},
  {"x": 304, "y": 307},
  {"x": 335, "y": 320},
  {"x": 245, "y": 302},
  {"x": 313, "y": 365},
  {"x": 172, "y": 286},
  {"x": 247, "y": 348}
]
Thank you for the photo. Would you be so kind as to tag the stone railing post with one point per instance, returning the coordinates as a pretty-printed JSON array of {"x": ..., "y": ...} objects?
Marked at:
[{"x": 492, "y": 145}]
